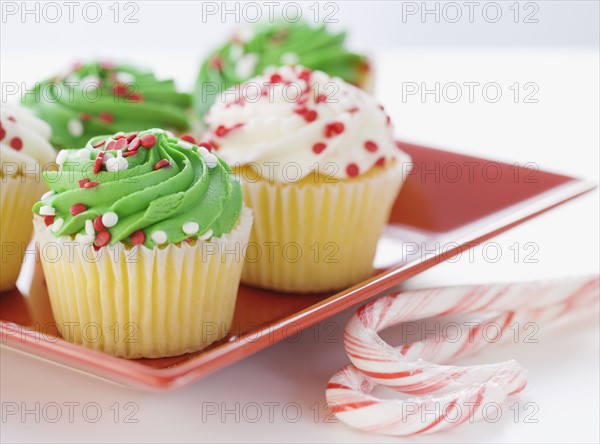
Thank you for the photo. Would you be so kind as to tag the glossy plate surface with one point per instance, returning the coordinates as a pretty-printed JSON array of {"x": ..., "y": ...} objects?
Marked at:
[{"x": 450, "y": 203}]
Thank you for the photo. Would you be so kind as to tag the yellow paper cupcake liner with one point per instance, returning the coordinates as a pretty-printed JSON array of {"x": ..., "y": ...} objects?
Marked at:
[
  {"x": 144, "y": 302},
  {"x": 17, "y": 196},
  {"x": 317, "y": 236}
]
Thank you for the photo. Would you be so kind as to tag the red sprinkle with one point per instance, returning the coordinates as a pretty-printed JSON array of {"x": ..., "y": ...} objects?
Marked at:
[
  {"x": 310, "y": 116},
  {"x": 353, "y": 110},
  {"x": 90, "y": 184},
  {"x": 136, "y": 97},
  {"x": 98, "y": 225},
  {"x": 16, "y": 143},
  {"x": 305, "y": 75},
  {"x": 111, "y": 145},
  {"x": 131, "y": 136},
  {"x": 217, "y": 63},
  {"x": 77, "y": 208},
  {"x": 221, "y": 131},
  {"x": 206, "y": 145},
  {"x": 82, "y": 183},
  {"x": 189, "y": 138},
  {"x": 321, "y": 98},
  {"x": 333, "y": 129},
  {"x": 380, "y": 162},
  {"x": 12, "y": 119},
  {"x": 98, "y": 162},
  {"x": 370, "y": 146},
  {"x": 48, "y": 220},
  {"x": 99, "y": 143},
  {"x": 352, "y": 170},
  {"x": 120, "y": 89},
  {"x": 106, "y": 117},
  {"x": 148, "y": 140},
  {"x": 102, "y": 238},
  {"x": 300, "y": 111},
  {"x": 85, "y": 116},
  {"x": 275, "y": 78},
  {"x": 161, "y": 164},
  {"x": 2, "y": 132},
  {"x": 134, "y": 144},
  {"x": 120, "y": 144},
  {"x": 319, "y": 147},
  {"x": 130, "y": 153},
  {"x": 137, "y": 237}
]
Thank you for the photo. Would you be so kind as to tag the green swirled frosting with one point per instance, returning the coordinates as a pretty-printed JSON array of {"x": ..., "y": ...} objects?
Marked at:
[
  {"x": 149, "y": 189},
  {"x": 245, "y": 57},
  {"x": 102, "y": 98}
]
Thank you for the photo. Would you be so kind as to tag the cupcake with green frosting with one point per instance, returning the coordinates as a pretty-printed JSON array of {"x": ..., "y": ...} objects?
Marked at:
[
  {"x": 142, "y": 238},
  {"x": 251, "y": 50},
  {"x": 103, "y": 98}
]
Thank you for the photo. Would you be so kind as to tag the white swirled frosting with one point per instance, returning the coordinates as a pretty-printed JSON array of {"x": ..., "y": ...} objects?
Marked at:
[
  {"x": 291, "y": 122},
  {"x": 23, "y": 141}
]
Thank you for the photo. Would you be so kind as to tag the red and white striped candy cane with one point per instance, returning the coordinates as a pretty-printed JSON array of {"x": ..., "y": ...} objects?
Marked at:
[{"x": 404, "y": 368}]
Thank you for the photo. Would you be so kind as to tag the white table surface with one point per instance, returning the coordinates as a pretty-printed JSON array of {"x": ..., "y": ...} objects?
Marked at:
[{"x": 285, "y": 383}]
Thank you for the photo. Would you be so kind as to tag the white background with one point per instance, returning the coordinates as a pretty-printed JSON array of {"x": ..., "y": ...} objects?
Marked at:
[{"x": 560, "y": 133}]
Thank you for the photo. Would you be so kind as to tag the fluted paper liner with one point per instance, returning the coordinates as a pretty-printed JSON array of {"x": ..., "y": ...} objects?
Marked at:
[
  {"x": 144, "y": 302},
  {"x": 17, "y": 196},
  {"x": 317, "y": 236}
]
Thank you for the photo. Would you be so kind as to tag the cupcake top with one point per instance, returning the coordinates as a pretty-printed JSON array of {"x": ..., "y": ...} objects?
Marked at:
[
  {"x": 23, "y": 141},
  {"x": 145, "y": 188},
  {"x": 102, "y": 98},
  {"x": 252, "y": 50},
  {"x": 292, "y": 122}
]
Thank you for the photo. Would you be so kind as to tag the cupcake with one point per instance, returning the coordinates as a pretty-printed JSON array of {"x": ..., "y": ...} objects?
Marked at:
[
  {"x": 103, "y": 98},
  {"x": 24, "y": 153},
  {"x": 252, "y": 50},
  {"x": 149, "y": 232},
  {"x": 320, "y": 169}
]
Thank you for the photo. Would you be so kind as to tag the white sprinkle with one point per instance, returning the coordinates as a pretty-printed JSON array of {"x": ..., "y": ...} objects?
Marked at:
[
  {"x": 125, "y": 77},
  {"x": 118, "y": 135},
  {"x": 246, "y": 65},
  {"x": 75, "y": 127},
  {"x": 89, "y": 227},
  {"x": 206, "y": 235},
  {"x": 290, "y": 58},
  {"x": 47, "y": 195},
  {"x": 185, "y": 145},
  {"x": 236, "y": 51},
  {"x": 84, "y": 238},
  {"x": 190, "y": 228},
  {"x": 47, "y": 210},
  {"x": 90, "y": 82},
  {"x": 107, "y": 157},
  {"x": 61, "y": 157},
  {"x": 117, "y": 164},
  {"x": 58, "y": 223},
  {"x": 110, "y": 219},
  {"x": 210, "y": 159},
  {"x": 159, "y": 237},
  {"x": 84, "y": 153}
]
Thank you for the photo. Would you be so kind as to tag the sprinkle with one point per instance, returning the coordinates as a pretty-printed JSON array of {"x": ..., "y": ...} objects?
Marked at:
[
  {"x": 131, "y": 136},
  {"x": 246, "y": 64},
  {"x": 370, "y": 146},
  {"x": 148, "y": 140},
  {"x": 321, "y": 98},
  {"x": 134, "y": 144},
  {"x": 380, "y": 162},
  {"x": 48, "y": 220},
  {"x": 300, "y": 111},
  {"x": 85, "y": 117},
  {"x": 102, "y": 239},
  {"x": 118, "y": 135},
  {"x": 137, "y": 237},
  {"x": 125, "y": 77},
  {"x": 185, "y": 145},
  {"x": 318, "y": 147},
  {"x": 352, "y": 110},
  {"x": 47, "y": 195},
  {"x": 61, "y": 157},
  {"x": 352, "y": 170},
  {"x": 161, "y": 164},
  {"x": 2, "y": 132},
  {"x": 84, "y": 153},
  {"x": 106, "y": 117},
  {"x": 58, "y": 223},
  {"x": 121, "y": 143},
  {"x": 75, "y": 127},
  {"x": 206, "y": 235},
  {"x": 275, "y": 78},
  {"x": 98, "y": 225},
  {"x": 12, "y": 119},
  {"x": 110, "y": 219},
  {"x": 99, "y": 143},
  {"x": 190, "y": 227},
  {"x": 47, "y": 210},
  {"x": 333, "y": 129},
  {"x": 98, "y": 162},
  {"x": 89, "y": 227},
  {"x": 130, "y": 153},
  {"x": 118, "y": 164},
  {"x": 210, "y": 159},
  {"x": 16, "y": 143},
  {"x": 77, "y": 208},
  {"x": 206, "y": 145},
  {"x": 305, "y": 75},
  {"x": 111, "y": 145},
  {"x": 189, "y": 138},
  {"x": 310, "y": 116},
  {"x": 221, "y": 131},
  {"x": 159, "y": 237},
  {"x": 86, "y": 183},
  {"x": 216, "y": 63}
]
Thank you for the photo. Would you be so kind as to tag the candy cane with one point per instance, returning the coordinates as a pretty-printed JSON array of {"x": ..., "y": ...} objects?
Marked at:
[{"x": 404, "y": 369}]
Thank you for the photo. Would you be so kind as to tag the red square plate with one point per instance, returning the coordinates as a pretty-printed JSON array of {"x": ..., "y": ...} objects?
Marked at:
[{"x": 450, "y": 201}]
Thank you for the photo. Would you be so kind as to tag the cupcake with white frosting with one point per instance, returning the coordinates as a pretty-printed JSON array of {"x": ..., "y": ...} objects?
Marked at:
[
  {"x": 321, "y": 170},
  {"x": 24, "y": 153}
]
